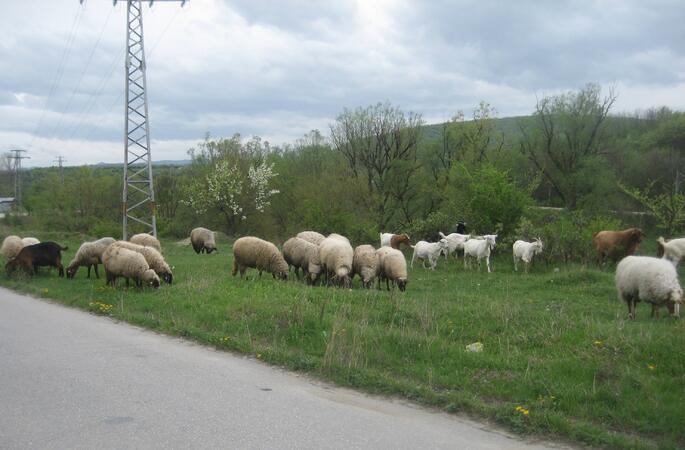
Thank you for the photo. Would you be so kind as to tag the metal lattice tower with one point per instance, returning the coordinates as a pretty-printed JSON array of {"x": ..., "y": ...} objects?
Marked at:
[
  {"x": 60, "y": 160},
  {"x": 16, "y": 156}
]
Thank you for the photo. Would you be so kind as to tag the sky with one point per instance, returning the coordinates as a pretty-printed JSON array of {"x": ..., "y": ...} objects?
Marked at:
[{"x": 278, "y": 69}]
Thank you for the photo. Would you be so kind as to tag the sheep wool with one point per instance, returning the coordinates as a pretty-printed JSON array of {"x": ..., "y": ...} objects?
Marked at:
[
  {"x": 336, "y": 255},
  {"x": 393, "y": 267},
  {"x": 202, "y": 240},
  {"x": 250, "y": 251},
  {"x": 311, "y": 236},
  {"x": 304, "y": 255},
  {"x": 365, "y": 264},
  {"x": 11, "y": 247},
  {"x": 122, "y": 262},
  {"x": 153, "y": 258},
  {"x": 147, "y": 240},
  {"x": 30, "y": 241},
  {"x": 648, "y": 279},
  {"x": 89, "y": 255}
]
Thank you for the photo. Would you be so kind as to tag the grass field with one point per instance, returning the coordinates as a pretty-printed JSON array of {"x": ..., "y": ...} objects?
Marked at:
[{"x": 560, "y": 357}]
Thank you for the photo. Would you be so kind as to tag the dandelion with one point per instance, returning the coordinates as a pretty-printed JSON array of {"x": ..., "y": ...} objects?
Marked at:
[
  {"x": 598, "y": 343},
  {"x": 651, "y": 366},
  {"x": 45, "y": 291},
  {"x": 522, "y": 410}
]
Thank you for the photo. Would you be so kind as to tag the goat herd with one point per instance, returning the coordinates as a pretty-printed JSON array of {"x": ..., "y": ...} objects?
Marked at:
[{"x": 331, "y": 260}]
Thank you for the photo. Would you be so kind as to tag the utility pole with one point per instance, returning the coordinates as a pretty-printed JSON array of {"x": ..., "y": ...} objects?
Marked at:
[
  {"x": 15, "y": 154},
  {"x": 138, "y": 197},
  {"x": 59, "y": 161}
]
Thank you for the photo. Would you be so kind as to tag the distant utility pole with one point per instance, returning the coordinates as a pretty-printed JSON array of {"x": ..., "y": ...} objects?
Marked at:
[
  {"x": 59, "y": 161},
  {"x": 138, "y": 197},
  {"x": 15, "y": 154}
]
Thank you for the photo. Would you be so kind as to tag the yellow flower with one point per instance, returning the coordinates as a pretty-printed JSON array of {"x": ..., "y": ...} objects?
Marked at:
[
  {"x": 651, "y": 366},
  {"x": 522, "y": 410},
  {"x": 598, "y": 343}
]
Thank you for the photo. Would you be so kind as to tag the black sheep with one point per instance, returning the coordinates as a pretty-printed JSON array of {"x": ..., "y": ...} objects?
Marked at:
[{"x": 37, "y": 255}]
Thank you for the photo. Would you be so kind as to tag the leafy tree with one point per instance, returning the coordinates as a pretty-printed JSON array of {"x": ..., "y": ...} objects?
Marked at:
[{"x": 668, "y": 207}]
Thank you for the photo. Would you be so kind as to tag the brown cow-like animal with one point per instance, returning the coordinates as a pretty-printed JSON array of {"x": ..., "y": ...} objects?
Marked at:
[{"x": 617, "y": 244}]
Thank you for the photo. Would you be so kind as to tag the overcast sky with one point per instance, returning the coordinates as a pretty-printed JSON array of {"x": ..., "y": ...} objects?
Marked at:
[{"x": 278, "y": 69}]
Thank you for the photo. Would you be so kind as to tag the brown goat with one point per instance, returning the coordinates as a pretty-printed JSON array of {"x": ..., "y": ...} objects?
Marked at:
[
  {"x": 617, "y": 244},
  {"x": 398, "y": 239}
]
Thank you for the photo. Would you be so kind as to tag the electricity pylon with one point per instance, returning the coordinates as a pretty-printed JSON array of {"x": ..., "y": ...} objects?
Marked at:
[
  {"x": 59, "y": 161},
  {"x": 17, "y": 173}
]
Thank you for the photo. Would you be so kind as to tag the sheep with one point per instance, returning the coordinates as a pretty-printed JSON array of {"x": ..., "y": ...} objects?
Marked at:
[
  {"x": 147, "y": 240},
  {"x": 29, "y": 241},
  {"x": 11, "y": 247},
  {"x": 365, "y": 264},
  {"x": 648, "y": 279},
  {"x": 394, "y": 240},
  {"x": 153, "y": 258},
  {"x": 392, "y": 266},
  {"x": 525, "y": 251},
  {"x": 673, "y": 250},
  {"x": 455, "y": 243},
  {"x": 202, "y": 240},
  {"x": 33, "y": 256},
  {"x": 480, "y": 249},
  {"x": 250, "y": 251},
  {"x": 89, "y": 254},
  {"x": 122, "y": 262},
  {"x": 617, "y": 244},
  {"x": 303, "y": 255},
  {"x": 311, "y": 236},
  {"x": 428, "y": 251},
  {"x": 336, "y": 255}
]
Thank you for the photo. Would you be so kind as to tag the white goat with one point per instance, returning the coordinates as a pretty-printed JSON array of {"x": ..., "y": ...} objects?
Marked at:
[
  {"x": 428, "y": 251},
  {"x": 673, "y": 250},
  {"x": 455, "y": 243},
  {"x": 480, "y": 249},
  {"x": 525, "y": 251}
]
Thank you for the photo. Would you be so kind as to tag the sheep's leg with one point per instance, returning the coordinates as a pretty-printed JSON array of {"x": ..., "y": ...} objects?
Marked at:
[
  {"x": 527, "y": 265},
  {"x": 387, "y": 283},
  {"x": 243, "y": 270},
  {"x": 235, "y": 268},
  {"x": 631, "y": 308},
  {"x": 487, "y": 263},
  {"x": 516, "y": 269},
  {"x": 413, "y": 257},
  {"x": 97, "y": 275}
]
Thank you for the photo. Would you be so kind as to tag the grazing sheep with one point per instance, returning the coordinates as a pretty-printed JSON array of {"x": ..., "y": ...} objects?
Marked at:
[
  {"x": 394, "y": 240},
  {"x": 525, "y": 251},
  {"x": 311, "y": 236},
  {"x": 202, "y": 240},
  {"x": 392, "y": 267},
  {"x": 250, "y": 251},
  {"x": 147, "y": 240},
  {"x": 365, "y": 264},
  {"x": 303, "y": 255},
  {"x": 617, "y": 244},
  {"x": 89, "y": 255},
  {"x": 29, "y": 241},
  {"x": 336, "y": 255},
  {"x": 480, "y": 249},
  {"x": 153, "y": 258},
  {"x": 648, "y": 279},
  {"x": 428, "y": 251},
  {"x": 38, "y": 255},
  {"x": 455, "y": 243},
  {"x": 122, "y": 262},
  {"x": 11, "y": 247},
  {"x": 673, "y": 250}
]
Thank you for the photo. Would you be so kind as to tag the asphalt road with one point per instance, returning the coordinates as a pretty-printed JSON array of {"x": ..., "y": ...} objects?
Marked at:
[{"x": 69, "y": 380}]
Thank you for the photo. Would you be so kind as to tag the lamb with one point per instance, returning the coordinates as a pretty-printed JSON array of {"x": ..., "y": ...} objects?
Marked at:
[
  {"x": 303, "y": 255},
  {"x": 29, "y": 241},
  {"x": 153, "y": 258},
  {"x": 202, "y": 240},
  {"x": 480, "y": 249},
  {"x": 147, "y": 240},
  {"x": 455, "y": 243},
  {"x": 673, "y": 250},
  {"x": 617, "y": 244},
  {"x": 525, "y": 251},
  {"x": 311, "y": 236},
  {"x": 250, "y": 251},
  {"x": 11, "y": 247},
  {"x": 428, "y": 251},
  {"x": 122, "y": 262},
  {"x": 89, "y": 255},
  {"x": 41, "y": 254},
  {"x": 392, "y": 267},
  {"x": 365, "y": 264},
  {"x": 394, "y": 240},
  {"x": 336, "y": 255},
  {"x": 648, "y": 279}
]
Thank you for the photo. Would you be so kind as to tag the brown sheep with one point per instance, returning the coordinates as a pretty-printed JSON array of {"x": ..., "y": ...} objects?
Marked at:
[{"x": 617, "y": 244}]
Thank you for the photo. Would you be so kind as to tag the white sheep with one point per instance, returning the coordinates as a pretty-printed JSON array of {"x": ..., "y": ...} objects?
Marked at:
[
  {"x": 89, "y": 255},
  {"x": 455, "y": 243},
  {"x": 153, "y": 258},
  {"x": 429, "y": 251},
  {"x": 29, "y": 241},
  {"x": 250, "y": 251},
  {"x": 392, "y": 267},
  {"x": 525, "y": 251},
  {"x": 336, "y": 255},
  {"x": 672, "y": 250},
  {"x": 122, "y": 262},
  {"x": 648, "y": 279},
  {"x": 365, "y": 264},
  {"x": 480, "y": 249},
  {"x": 304, "y": 255},
  {"x": 147, "y": 240},
  {"x": 11, "y": 247},
  {"x": 202, "y": 240},
  {"x": 311, "y": 236}
]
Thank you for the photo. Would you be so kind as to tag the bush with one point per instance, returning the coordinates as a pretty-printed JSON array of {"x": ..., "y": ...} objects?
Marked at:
[{"x": 425, "y": 228}]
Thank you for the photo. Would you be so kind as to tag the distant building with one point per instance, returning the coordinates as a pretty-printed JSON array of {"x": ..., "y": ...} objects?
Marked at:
[{"x": 6, "y": 204}]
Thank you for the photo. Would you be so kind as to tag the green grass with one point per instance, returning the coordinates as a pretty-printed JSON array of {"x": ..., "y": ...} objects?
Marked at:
[{"x": 555, "y": 343}]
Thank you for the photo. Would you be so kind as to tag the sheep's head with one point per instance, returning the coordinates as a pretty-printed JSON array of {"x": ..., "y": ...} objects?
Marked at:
[
  {"x": 71, "y": 272},
  {"x": 402, "y": 284},
  {"x": 660, "y": 247},
  {"x": 677, "y": 295},
  {"x": 210, "y": 248},
  {"x": 282, "y": 275},
  {"x": 11, "y": 266},
  {"x": 537, "y": 246},
  {"x": 151, "y": 278},
  {"x": 167, "y": 277}
]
